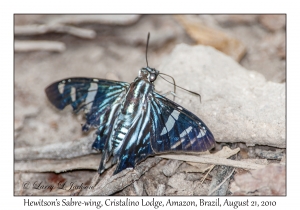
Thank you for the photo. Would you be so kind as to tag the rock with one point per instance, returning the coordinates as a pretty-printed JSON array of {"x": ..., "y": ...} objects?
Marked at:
[
  {"x": 171, "y": 167},
  {"x": 112, "y": 76},
  {"x": 237, "y": 105},
  {"x": 178, "y": 182},
  {"x": 257, "y": 183},
  {"x": 220, "y": 181},
  {"x": 266, "y": 51},
  {"x": 21, "y": 112},
  {"x": 138, "y": 187}
]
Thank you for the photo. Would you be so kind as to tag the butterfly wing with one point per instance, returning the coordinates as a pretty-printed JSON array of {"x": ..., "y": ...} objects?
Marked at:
[
  {"x": 96, "y": 97},
  {"x": 177, "y": 129},
  {"x": 162, "y": 127}
]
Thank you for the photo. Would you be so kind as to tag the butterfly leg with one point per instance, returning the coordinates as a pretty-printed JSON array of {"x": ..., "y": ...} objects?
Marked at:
[{"x": 172, "y": 93}]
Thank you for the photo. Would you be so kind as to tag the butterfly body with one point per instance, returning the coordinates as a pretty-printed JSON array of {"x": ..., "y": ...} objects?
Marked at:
[{"x": 132, "y": 120}]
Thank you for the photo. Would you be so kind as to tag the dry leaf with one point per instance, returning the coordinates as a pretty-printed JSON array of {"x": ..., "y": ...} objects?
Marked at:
[
  {"x": 207, "y": 36},
  {"x": 226, "y": 152}
]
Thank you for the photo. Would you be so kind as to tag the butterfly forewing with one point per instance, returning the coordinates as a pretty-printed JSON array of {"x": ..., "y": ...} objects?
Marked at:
[{"x": 94, "y": 96}]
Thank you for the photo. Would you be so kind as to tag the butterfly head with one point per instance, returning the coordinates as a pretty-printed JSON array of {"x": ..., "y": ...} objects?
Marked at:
[{"x": 149, "y": 73}]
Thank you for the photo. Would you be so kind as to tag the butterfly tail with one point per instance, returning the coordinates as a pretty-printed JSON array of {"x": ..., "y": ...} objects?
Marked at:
[{"x": 104, "y": 138}]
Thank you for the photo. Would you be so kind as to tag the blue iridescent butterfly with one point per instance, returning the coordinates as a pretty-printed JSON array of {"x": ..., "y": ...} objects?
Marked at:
[{"x": 133, "y": 122}]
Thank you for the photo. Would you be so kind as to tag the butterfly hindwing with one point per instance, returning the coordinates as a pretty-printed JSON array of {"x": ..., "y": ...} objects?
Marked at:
[
  {"x": 177, "y": 129},
  {"x": 136, "y": 145}
]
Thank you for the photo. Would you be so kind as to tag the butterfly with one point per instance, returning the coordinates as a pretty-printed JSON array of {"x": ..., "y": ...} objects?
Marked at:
[{"x": 133, "y": 121}]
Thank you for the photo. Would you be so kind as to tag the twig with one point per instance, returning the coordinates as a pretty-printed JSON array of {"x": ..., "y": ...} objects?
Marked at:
[
  {"x": 65, "y": 150},
  {"x": 24, "y": 46},
  {"x": 57, "y": 166},
  {"x": 226, "y": 152},
  {"x": 214, "y": 159},
  {"x": 99, "y": 19},
  {"x": 58, "y": 28},
  {"x": 110, "y": 184},
  {"x": 203, "y": 178}
]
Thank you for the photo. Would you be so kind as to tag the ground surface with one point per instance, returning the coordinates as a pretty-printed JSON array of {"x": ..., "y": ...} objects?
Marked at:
[{"x": 113, "y": 47}]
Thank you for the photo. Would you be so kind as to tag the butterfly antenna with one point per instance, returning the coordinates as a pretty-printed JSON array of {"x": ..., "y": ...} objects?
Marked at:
[
  {"x": 147, "y": 47},
  {"x": 179, "y": 86}
]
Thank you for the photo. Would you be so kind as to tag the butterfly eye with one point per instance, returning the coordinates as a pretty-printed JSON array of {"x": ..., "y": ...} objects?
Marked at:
[{"x": 152, "y": 77}]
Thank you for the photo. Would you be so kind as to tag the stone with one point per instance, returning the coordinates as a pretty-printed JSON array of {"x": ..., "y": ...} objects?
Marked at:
[
  {"x": 237, "y": 105},
  {"x": 178, "y": 182},
  {"x": 257, "y": 183}
]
